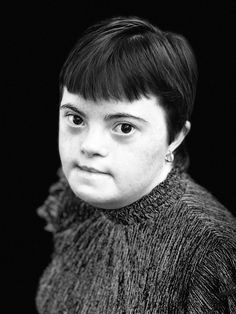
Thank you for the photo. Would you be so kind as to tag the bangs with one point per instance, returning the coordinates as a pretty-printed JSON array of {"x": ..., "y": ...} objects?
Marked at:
[{"x": 119, "y": 69}]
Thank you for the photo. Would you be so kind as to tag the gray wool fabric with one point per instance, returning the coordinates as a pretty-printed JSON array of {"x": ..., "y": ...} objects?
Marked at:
[{"x": 172, "y": 251}]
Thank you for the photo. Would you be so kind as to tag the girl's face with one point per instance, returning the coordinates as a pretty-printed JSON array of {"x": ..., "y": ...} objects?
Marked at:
[{"x": 126, "y": 142}]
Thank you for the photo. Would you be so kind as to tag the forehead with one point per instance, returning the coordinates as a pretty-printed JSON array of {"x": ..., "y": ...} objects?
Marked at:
[{"x": 146, "y": 108}]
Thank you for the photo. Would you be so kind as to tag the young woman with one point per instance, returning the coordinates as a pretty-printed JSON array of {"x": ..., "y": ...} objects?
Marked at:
[{"x": 133, "y": 232}]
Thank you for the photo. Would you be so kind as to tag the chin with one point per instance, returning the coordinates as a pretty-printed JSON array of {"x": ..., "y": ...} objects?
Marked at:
[{"x": 91, "y": 197}]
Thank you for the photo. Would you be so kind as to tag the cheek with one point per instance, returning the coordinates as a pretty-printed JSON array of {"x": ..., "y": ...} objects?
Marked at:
[
  {"x": 141, "y": 160},
  {"x": 152, "y": 150},
  {"x": 64, "y": 145},
  {"x": 152, "y": 158},
  {"x": 61, "y": 144}
]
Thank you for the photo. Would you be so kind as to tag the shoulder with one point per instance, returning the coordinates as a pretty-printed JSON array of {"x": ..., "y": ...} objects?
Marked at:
[
  {"x": 201, "y": 224},
  {"x": 212, "y": 286},
  {"x": 211, "y": 229},
  {"x": 204, "y": 208}
]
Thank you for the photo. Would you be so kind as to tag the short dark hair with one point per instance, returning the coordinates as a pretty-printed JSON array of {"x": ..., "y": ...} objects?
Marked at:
[{"x": 125, "y": 58}]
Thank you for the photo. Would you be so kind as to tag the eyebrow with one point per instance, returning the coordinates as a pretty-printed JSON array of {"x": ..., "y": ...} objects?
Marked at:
[{"x": 109, "y": 116}]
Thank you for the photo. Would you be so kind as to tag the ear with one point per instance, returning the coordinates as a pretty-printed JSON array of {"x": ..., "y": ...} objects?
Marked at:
[{"x": 180, "y": 137}]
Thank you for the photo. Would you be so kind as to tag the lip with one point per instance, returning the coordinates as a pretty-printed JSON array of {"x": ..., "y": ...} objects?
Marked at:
[{"x": 90, "y": 169}]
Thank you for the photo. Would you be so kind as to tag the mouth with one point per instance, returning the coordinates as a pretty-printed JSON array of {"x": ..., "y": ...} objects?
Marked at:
[{"x": 90, "y": 169}]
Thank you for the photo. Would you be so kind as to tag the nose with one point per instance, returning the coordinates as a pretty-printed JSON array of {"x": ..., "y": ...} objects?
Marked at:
[{"x": 93, "y": 143}]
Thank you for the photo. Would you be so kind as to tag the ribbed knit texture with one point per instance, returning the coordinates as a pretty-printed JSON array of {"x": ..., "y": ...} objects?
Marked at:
[{"x": 172, "y": 251}]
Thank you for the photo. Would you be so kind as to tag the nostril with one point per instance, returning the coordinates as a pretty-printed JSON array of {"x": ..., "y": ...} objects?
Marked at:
[
  {"x": 93, "y": 150},
  {"x": 89, "y": 154}
]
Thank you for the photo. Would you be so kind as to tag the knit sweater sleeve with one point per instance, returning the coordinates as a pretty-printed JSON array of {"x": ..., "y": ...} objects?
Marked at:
[{"x": 213, "y": 288}]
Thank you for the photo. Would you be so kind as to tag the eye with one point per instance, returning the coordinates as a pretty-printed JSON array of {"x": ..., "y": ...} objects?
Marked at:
[
  {"x": 125, "y": 128},
  {"x": 74, "y": 119}
]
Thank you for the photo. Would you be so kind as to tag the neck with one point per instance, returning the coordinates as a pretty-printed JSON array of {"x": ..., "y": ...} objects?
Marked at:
[{"x": 164, "y": 172}]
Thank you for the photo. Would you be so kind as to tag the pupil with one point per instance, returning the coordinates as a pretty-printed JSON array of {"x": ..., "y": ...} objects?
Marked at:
[
  {"x": 126, "y": 128},
  {"x": 76, "y": 120}
]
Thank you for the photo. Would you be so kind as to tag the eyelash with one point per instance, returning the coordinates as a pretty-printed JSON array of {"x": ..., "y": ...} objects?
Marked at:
[{"x": 70, "y": 117}]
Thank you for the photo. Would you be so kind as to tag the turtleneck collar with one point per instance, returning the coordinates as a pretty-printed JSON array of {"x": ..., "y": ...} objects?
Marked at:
[
  {"x": 162, "y": 196},
  {"x": 62, "y": 207}
]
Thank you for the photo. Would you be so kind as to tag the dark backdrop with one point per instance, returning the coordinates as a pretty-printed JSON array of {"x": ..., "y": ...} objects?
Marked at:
[{"x": 38, "y": 41}]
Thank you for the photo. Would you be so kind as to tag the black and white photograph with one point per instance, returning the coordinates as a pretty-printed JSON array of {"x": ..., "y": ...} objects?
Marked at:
[{"x": 120, "y": 135}]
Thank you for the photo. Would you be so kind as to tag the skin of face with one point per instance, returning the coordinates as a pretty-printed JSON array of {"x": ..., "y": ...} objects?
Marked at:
[{"x": 130, "y": 152}]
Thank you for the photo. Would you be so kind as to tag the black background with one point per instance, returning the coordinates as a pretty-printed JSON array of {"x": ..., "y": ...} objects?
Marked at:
[{"x": 38, "y": 39}]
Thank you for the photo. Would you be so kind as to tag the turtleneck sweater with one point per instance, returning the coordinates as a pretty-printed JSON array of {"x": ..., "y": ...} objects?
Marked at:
[{"x": 172, "y": 251}]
